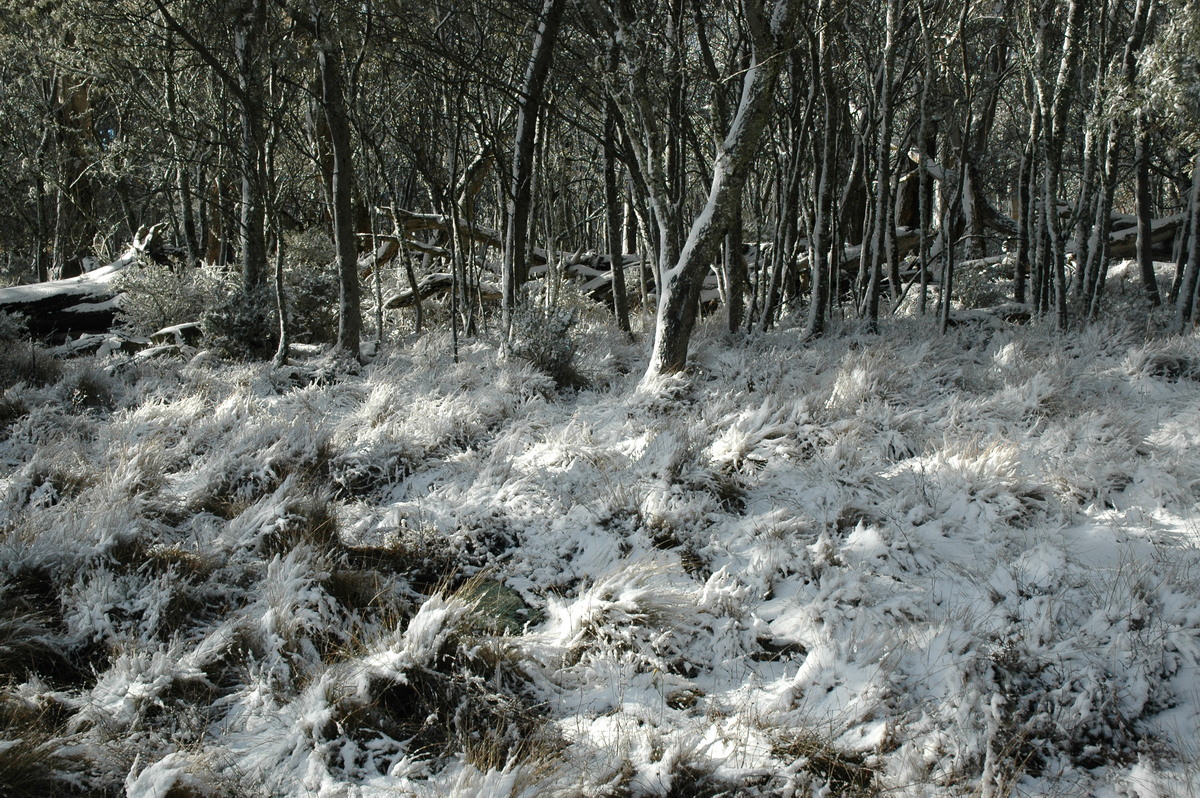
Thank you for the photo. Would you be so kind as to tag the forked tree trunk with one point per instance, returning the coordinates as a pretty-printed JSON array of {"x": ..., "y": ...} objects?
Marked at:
[
  {"x": 679, "y": 290},
  {"x": 515, "y": 268}
]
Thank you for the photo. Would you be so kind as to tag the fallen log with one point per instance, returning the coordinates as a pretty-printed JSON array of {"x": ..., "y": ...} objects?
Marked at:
[
  {"x": 1123, "y": 243},
  {"x": 84, "y": 304},
  {"x": 436, "y": 284},
  {"x": 386, "y": 251},
  {"x": 412, "y": 223}
]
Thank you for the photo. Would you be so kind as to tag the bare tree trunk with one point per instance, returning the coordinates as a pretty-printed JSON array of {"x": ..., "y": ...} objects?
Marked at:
[
  {"x": 283, "y": 350},
  {"x": 737, "y": 278},
  {"x": 333, "y": 108},
  {"x": 884, "y": 214},
  {"x": 1053, "y": 104},
  {"x": 74, "y": 212},
  {"x": 1024, "y": 202},
  {"x": 1083, "y": 206},
  {"x": 1097, "y": 261},
  {"x": 680, "y": 288},
  {"x": 187, "y": 215},
  {"x": 1186, "y": 303},
  {"x": 40, "y": 224},
  {"x": 1145, "y": 257},
  {"x": 946, "y": 283},
  {"x": 515, "y": 268},
  {"x": 613, "y": 220},
  {"x": 247, "y": 34},
  {"x": 819, "y": 265}
]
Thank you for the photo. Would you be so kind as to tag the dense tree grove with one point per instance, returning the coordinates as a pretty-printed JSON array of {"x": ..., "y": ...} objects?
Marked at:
[{"x": 764, "y": 157}]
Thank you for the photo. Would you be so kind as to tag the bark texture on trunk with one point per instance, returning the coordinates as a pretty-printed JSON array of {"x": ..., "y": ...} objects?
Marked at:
[
  {"x": 333, "y": 106},
  {"x": 252, "y": 220},
  {"x": 1186, "y": 303}
]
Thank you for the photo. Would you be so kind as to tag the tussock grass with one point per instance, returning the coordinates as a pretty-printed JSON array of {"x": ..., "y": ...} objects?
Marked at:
[
  {"x": 445, "y": 687},
  {"x": 27, "y": 362},
  {"x": 33, "y": 755},
  {"x": 843, "y": 773},
  {"x": 12, "y": 409},
  {"x": 970, "y": 554}
]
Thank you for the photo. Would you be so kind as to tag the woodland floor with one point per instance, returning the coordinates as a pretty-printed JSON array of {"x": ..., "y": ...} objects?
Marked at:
[{"x": 904, "y": 564}]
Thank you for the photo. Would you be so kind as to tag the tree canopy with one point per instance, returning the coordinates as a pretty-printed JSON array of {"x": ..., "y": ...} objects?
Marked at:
[{"x": 764, "y": 157}]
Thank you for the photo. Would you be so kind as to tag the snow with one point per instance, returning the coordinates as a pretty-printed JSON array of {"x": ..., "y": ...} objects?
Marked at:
[
  {"x": 941, "y": 565},
  {"x": 83, "y": 285}
]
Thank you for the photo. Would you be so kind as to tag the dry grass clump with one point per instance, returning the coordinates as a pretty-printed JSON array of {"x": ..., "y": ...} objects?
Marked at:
[
  {"x": 13, "y": 407},
  {"x": 423, "y": 558},
  {"x": 28, "y": 362},
  {"x": 1043, "y": 714},
  {"x": 498, "y": 608},
  {"x": 362, "y": 589},
  {"x": 640, "y": 614},
  {"x": 1094, "y": 456},
  {"x": 448, "y": 687},
  {"x": 33, "y": 760},
  {"x": 58, "y": 474},
  {"x": 88, "y": 390},
  {"x": 309, "y": 519},
  {"x": 1173, "y": 360},
  {"x": 27, "y": 647},
  {"x": 972, "y": 480},
  {"x": 34, "y": 643},
  {"x": 184, "y": 579},
  {"x": 361, "y": 472},
  {"x": 843, "y": 773},
  {"x": 188, "y": 563},
  {"x": 688, "y": 776}
]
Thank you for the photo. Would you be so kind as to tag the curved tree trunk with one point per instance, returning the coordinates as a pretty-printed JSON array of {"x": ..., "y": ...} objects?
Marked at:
[{"x": 679, "y": 290}]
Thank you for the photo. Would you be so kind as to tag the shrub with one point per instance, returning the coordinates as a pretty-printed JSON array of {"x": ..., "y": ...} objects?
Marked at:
[
  {"x": 543, "y": 338},
  {"x": 155, "y": 296},
  {"x": 243, "y": 324},
  {"x": 311, "y": 286},
  {"x": 13, "y": 327}
]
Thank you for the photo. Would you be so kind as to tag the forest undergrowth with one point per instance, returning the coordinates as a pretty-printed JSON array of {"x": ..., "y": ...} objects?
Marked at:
[{"x": 902, "y": 564}]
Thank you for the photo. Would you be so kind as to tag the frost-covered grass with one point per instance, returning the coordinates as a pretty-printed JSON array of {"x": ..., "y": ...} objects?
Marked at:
[{"x": 903, "y": 564}]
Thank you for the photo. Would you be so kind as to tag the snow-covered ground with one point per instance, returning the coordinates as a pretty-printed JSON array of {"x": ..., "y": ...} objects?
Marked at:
[{"x": 903, "y": 564}]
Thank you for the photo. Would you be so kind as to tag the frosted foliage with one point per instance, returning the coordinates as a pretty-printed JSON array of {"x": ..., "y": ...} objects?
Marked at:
[
  {"x": 155, "y": 296},
  {"x": 1169, "y": 81},
  {"x": 910, "y": 564}
]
